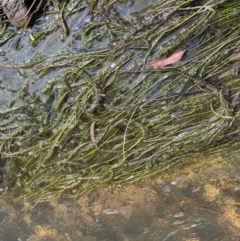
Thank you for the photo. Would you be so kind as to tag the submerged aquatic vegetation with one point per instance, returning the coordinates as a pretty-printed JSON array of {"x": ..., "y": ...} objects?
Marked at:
[{"x": 85, "y": 111}]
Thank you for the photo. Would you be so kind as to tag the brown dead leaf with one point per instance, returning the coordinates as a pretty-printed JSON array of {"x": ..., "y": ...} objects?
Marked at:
[
  {"x": 170, "y": 60},
  {"x": 225, "y": 74},
  {"x": 92, "y": 135},
  {"x": 234, "y": 57}
]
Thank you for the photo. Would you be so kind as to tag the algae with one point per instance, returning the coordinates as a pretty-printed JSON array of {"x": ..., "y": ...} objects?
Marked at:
[{"x": 86, "y": 62}]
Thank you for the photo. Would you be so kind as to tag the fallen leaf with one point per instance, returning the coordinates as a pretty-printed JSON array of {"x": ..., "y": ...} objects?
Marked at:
[
  {"x": 234, "y": 57},
  {"x": 92, "y": 135},
  {"x": 225, "y": 74},
  {"x": 170, "y": 60}
]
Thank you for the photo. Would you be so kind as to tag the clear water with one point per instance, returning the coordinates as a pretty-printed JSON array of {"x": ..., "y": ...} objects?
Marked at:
[{"x": 196, "y": 205}]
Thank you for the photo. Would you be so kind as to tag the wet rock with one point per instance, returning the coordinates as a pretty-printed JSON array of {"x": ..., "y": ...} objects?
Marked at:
[{"x": 4, "y": 97}]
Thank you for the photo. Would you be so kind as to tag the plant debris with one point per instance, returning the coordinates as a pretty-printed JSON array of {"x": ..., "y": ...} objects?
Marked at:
[
  {"x": 167, "y": 61},
  {"x": 20, "y": 12},
  {"x": 92, "y": 135}
]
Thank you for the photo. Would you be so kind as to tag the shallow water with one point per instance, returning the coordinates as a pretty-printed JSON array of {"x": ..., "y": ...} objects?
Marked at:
[{"x": 195, "y": 205}]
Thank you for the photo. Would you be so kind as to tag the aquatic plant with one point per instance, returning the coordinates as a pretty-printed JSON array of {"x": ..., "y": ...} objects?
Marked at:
[{"x": 86, "y": 109}]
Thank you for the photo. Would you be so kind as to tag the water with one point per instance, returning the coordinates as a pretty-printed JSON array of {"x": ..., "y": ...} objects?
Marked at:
[
  {"x": 198, "y": 204},
  {"x": 194, "y": 205}
]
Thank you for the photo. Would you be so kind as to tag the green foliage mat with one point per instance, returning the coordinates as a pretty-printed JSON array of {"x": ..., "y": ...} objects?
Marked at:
[{"x": 80, "y": 108}]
